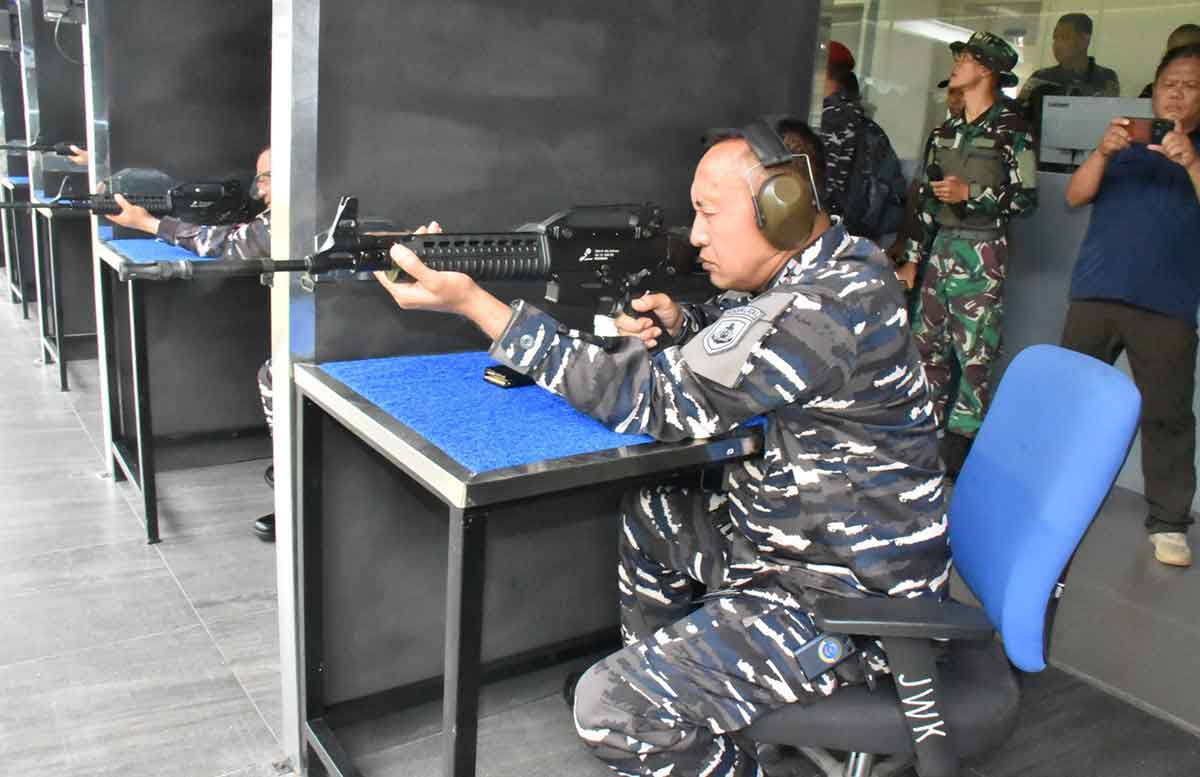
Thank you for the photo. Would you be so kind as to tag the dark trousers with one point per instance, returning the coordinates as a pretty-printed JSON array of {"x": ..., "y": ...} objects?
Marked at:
[
  {"x": 672, "y": 701},
  {"x": 1162, "y": 353}
]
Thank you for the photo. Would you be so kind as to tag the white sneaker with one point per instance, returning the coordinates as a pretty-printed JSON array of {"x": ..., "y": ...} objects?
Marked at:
[{"x": 1171, "y": 547}]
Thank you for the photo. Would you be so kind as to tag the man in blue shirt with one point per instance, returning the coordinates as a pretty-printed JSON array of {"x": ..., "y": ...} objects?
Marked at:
[{"x": 1136, "y": 285}]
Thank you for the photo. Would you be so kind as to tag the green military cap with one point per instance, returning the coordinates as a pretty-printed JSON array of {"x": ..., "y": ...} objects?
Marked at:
[{"x": 993, "y": 52}]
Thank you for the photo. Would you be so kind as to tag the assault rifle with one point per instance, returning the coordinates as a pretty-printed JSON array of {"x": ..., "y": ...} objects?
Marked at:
[
  {"x": 221, "y": 202},
  {"x": 62, "y": 149},
  {"x": 603, "y": 253}
]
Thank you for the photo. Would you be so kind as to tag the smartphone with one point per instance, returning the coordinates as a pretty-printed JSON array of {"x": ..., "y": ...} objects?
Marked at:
[
  {"x": 506, "y": 377},
  {"x": 1149, "y": 132}
]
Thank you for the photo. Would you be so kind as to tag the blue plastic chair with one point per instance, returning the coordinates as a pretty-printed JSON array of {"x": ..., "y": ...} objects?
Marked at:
[{"x": 1054, "y": 439}]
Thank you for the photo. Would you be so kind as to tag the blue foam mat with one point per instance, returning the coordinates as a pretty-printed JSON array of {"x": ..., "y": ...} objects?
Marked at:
[
  {"x": 481, "y": 426},
  {"x": 145, "y": 250}
]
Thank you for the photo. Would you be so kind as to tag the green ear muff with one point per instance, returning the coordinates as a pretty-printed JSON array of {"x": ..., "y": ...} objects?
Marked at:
[{"x": 785, "y": 210}]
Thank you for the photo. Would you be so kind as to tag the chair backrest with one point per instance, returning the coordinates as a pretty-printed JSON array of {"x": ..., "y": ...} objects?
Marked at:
[{"x": 1051, "y": 446}]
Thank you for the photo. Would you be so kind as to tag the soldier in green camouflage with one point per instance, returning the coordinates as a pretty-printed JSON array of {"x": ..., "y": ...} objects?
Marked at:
[{"x": 980, "y": 170}]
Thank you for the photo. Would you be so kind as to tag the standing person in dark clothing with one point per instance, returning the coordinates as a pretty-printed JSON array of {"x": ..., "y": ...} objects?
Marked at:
[
  {"x": 846, "y": 498},
  {"x": 1182, "y": 35},
  {"x": 251, "y": 240},
  {"x": 1076, "y": 73},
  {"x": 842, "y": 119},
  {"x": 978, "y": 172},
  {"x": 1136, "y": 286}
]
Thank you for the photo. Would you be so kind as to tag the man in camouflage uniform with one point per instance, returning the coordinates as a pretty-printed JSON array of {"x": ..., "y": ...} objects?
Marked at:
[
  {"x": 983, "y": 172},
  {"x": 842, "y": 119},
  {"x": 251, "y": 240},
  {"x": 846, "y": 498}
]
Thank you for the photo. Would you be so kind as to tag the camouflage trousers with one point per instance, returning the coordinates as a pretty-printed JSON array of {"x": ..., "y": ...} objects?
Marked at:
[
  {"x": 266, "y": 394},
  {"x": 689, "y": 677},
  {"x": 959, "y": 317}
]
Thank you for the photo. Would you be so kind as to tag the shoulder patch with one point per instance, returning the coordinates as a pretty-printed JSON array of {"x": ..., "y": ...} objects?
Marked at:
[
  {"x": 730, "y": 329},
  {"x": 721, "y": 349}
]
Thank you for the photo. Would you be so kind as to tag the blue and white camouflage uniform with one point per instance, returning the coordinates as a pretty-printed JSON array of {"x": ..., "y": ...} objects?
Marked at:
[
  {"x": 251, "y": 240},
  {"x": 846, "y": 498}
]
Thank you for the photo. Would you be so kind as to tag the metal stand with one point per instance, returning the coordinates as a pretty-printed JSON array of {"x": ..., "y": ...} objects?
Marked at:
[
  {"x": 59, "y": 345},
  {"x": 17, "y": 246}
]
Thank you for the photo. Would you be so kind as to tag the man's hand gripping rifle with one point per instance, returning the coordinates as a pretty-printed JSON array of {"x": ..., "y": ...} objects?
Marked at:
[{"x": 600, "y": 254}]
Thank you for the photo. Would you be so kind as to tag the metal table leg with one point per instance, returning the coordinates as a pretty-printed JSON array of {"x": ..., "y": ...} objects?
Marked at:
[
  {"x": 108, "y": 316},
  {"x": 56, "y": 308},
  {"x": 138, "y": 348},
  {"x": 464, "y": 632}
]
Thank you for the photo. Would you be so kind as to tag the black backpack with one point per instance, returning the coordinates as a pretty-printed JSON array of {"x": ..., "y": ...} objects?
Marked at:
[{"x": 875, "y": 196}]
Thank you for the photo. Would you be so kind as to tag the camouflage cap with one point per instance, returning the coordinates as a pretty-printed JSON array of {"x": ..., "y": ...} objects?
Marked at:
[{"x": 993, "y": 52}]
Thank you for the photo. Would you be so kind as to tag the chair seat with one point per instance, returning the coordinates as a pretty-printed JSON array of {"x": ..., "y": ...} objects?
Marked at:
[{"x": 980, "y": 697}]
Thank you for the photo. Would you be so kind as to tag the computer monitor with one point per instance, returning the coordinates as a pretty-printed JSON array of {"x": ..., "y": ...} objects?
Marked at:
[{"x": 1073, "y": 126}]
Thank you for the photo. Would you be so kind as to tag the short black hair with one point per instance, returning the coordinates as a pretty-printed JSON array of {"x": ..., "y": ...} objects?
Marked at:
[
  {"x": 801, "y": 139},
  {"x": 1190, "y": 51},
  {"x": 843, "y": 75},
  {"x": 1188, "y": 28},
  {"x": 1080, "y": 21}
]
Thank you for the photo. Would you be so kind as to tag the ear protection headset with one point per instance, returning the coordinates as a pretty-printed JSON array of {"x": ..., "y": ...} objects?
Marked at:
[{"x": 785, "y": 205}]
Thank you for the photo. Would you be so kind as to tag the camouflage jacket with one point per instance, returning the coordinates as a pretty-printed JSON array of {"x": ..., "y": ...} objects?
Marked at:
[
  {"x": 847, "y": 496},
  {"x": 1002, "y": 133},
  {"x": 251, "y": 240},
  {"x": 1094, "y": 81},
  {"x": 841, "y": 126}
]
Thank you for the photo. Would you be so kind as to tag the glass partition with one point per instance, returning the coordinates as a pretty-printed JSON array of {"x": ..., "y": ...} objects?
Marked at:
[{"x": 901, "y": 53}]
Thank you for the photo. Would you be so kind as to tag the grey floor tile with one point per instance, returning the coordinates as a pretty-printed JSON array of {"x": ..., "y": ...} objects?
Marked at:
[
  {"x": 250, "y": 644},
  {"x": 160, "y": 705},
  {"x": 226, "y": 572},
  {"x": 61, "y": 510},
  {"x": 65, "y": 601},
  {"x": 391, "y": 733},
  {"x": 1117, "y": 557},
  {"x": 31, "y": 452},
  {"x": 1070, "y": 729},
  {"x": 1130, "y": 649},
  {"x": 224, "y": 499},
  {"x": 534, "y": 740}
]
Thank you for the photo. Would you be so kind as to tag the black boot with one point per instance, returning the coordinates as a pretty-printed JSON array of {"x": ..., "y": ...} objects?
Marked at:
[
  {"x": 954, "y": 449},
  {"x": 264, "y": 527}
]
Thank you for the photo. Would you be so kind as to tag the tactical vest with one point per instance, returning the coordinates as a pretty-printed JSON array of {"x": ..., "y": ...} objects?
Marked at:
[{"x": 977, "y": 161}]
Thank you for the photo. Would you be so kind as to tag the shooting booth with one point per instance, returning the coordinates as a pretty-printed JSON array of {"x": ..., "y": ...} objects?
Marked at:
[
  {"x": 439, "y": 536},
  {"x": 15, "y": 226},
  {"x": 178, "y": 360},
  {"x": 52, "y": 77}
]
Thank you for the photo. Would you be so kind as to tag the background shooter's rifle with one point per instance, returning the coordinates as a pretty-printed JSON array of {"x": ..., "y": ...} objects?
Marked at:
[
  {"x": 608, "y": 254},
  {"x": 62, "y": 149},
  {"x": 220, "y": 202}
]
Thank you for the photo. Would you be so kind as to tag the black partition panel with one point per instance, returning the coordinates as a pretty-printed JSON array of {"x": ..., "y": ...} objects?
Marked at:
[
  {"x": 485, "y": 115},
  {"x": 188, "y": 85},
  {"x": 14, "y": 110},
  {"x": 59, "y": 73}
]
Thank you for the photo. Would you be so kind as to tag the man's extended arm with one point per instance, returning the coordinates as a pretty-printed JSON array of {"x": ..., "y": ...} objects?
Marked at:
[
  {"x": 671, "y": 395},
  {"x": 251, "y": 240}
]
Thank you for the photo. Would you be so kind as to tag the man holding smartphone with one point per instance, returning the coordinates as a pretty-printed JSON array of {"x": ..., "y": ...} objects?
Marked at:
[{"x": 1136, "y": 284}]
